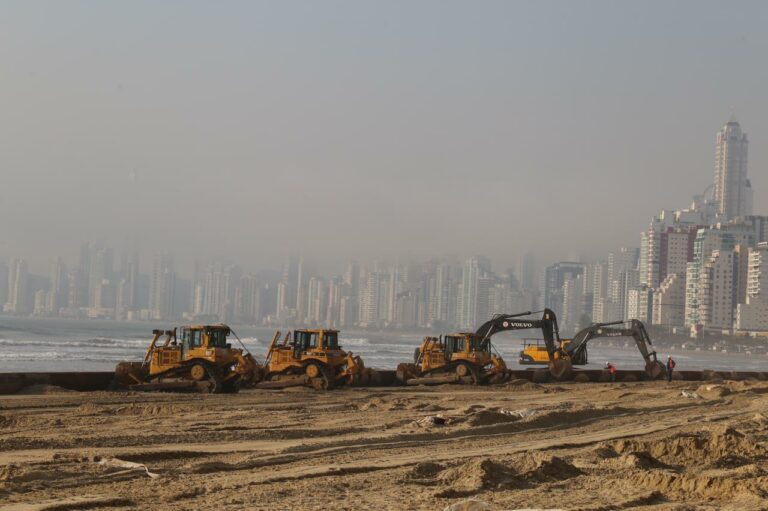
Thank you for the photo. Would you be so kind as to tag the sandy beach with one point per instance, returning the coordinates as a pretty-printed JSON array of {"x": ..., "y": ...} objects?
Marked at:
[{"x": 650, "y": 446}]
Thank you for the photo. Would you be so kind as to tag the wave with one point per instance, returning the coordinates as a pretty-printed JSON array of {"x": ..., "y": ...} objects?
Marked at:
[
  {"x": 59, "y": 355},
  {"x": 354, "y": 341},
  {"x": 86, "y": 343}
]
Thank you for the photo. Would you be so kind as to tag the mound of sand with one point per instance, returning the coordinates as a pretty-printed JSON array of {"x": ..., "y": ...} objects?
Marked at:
[
  {"x": 546, "y": 468},
  {"x": 485, "y": 474},
  {"x": 476, "y": 476},
  {"x": 712, "y": 391},
  {"x": 746, "y": 492},
  {"x": 491, "y": 417},
  {"x": 424, "y": 473},
  {"x": 89, "y": 408},
  {"x": 641, "y": 460},
  {"x": 522, "y": 385},
  {"x": 145, "y": 410},
  {"x": 373, "y": 403},
  {"x": 707, "y": 448}
]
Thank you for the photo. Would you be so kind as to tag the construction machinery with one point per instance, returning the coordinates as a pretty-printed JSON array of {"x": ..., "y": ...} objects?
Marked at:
[
  {"x": 535, "y": 352},
  {"x": 468, "y": 357},
  {"x": 630, "y": 328},
  {"x": 202, "y": 360},
  {"x": 312, "y": 358}
]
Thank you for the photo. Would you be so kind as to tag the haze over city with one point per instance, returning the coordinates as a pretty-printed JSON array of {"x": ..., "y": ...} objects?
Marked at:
[
  {"x": 383, "y": 254},
  {"x": 358, "y": 130}
]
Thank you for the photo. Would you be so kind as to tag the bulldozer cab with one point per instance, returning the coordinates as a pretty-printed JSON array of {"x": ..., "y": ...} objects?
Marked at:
[
  {"x": 208, "y": 336},
  {"x": 461, "y": 343},
  {"x": 308, "y": 340}
]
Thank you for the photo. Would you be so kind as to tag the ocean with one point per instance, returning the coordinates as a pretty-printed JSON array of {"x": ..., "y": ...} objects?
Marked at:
[{"x": 41, "y": 344}]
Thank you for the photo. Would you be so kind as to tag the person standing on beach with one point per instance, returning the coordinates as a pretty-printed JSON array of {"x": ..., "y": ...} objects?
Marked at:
[
  {"x": 612, "y": 370},
  {"x": 670, "y": 367}
]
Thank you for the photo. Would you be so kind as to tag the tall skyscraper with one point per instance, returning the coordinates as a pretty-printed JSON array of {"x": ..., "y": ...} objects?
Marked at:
[
  {"x": 18, "y": 288},
  {"x": 526, "y": 271},
  {"x": 474, "y": 292},
  {"x": 58, "y": 294},
  {"x": 162, "y": 287},
  {"x": 733, "y": 191},
  {"x": 554, "y": 278}
]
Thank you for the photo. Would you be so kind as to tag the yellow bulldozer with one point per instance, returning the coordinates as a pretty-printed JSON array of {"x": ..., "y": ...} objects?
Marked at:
[
  {"x": 312, "y": 358},
  {"x": 457, "y": 358},
  {"x": 202, "y": 360}
]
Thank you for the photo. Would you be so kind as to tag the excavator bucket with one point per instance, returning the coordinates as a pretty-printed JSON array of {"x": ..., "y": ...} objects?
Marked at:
[
  {"x": 655, "y": 370},
  {"x": 561, "y": 369}
]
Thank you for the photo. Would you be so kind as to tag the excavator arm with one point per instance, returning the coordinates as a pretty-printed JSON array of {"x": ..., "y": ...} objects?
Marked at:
[
  {"x": 502, "y": 322},
  {"x": 559, "y": 365},
  {"x": 631, "y": 328}
]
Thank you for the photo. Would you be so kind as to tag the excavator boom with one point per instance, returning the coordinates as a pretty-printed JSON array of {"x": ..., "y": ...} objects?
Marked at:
[{"x": 631, "y": 328}]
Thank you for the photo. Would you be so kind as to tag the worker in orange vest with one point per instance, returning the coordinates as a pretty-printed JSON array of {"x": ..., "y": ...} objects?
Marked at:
[
  {"x": 670, "y": 367},
  {"x": 612, "y": 370}
]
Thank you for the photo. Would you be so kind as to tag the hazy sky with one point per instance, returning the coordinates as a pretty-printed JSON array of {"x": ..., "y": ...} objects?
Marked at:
[{"x": 355, "y": 129}]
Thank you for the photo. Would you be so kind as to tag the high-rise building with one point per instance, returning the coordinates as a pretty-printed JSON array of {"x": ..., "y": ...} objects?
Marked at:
[
  {"x": 219, "y": 284},
  {"x": 248, "y": 300},
  {"x": 162, "y": 287},
  {"x": 716, "y": 305},
  {"x": 3, "y": 284},
  {"x": 639, "y": 303},
  {"x": 372, "y": 298},
  {"x": 526, "y": 271},
  {"x": 669, "y": 301},
  {"x": 753, "y": 315},
  {"x": 573, "y": 303},
  {"x": 352, "y": 303},
  {"x": 19, "y": 301},
  {"x": 58, "y": 294},
  {"x": 733, "y": 191},
  {"x": 473, "y": 306},
  {"x": 554, "y": 278},
  {"x": 101, "y": 270},
  {"x": 316, "y": 301},
  {"x": 722, "y": 238}
]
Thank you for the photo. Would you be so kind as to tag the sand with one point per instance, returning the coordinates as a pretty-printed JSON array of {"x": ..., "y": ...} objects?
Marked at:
[{"x": 539, "y": 446}]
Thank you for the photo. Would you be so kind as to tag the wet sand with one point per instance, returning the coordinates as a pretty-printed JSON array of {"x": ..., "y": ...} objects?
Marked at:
[{"x": 649, "y": 446}]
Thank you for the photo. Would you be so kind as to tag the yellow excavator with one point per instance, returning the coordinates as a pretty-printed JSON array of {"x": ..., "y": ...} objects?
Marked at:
[
  {"x": 312, "y": 358},
  {"x": 201, "y": 360},
  {"x": 535, "y": 352}
]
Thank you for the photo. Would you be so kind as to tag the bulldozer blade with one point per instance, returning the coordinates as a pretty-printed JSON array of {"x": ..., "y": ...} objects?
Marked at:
[
  {"x": 171, "y": 386},
  {"x": 285, "y": 383},
  {"x": 130, "y": 373},
  {"x": 498, "y": 378},
  {"x": 438, "y": 380},
  {"x": 406, "y": 371}
]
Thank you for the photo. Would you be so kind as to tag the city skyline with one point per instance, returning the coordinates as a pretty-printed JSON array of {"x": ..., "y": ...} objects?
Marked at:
[{"x": 697, "y": 269}]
